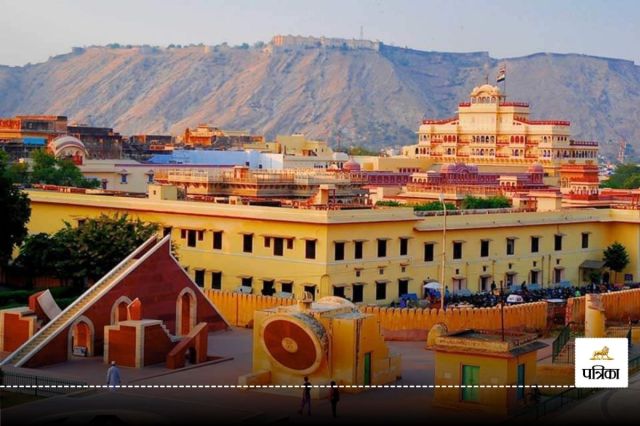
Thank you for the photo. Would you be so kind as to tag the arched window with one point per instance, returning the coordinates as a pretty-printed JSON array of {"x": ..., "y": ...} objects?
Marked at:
[{"x": 185, "y": 312}]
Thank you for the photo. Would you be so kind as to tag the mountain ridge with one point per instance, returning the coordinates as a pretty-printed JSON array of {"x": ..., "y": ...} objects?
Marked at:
[{"x": 362, "y": 96}]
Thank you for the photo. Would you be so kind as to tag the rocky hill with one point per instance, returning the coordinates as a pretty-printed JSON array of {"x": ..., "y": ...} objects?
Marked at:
[{"x": 346, "y": 94}]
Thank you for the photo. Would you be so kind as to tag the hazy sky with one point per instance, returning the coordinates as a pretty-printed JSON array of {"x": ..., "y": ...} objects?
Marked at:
[{"x": 31, "y": 31}]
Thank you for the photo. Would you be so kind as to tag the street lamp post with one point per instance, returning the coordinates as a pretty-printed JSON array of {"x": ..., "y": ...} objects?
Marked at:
[{"x": 444, "y": 251}]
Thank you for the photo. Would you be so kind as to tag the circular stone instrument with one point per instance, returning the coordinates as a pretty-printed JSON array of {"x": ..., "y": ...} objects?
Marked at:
[{"x": 297, "y": 343}]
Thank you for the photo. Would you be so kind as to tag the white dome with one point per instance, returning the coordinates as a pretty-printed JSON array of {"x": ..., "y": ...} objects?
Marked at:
[{"x": 62, "y": 143}]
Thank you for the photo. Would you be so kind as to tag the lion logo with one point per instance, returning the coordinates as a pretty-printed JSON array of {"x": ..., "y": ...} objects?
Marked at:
[{"x": 602, "y": 354}]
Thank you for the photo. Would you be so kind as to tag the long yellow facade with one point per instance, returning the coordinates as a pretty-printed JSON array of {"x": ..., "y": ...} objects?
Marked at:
[{"x": 369, "y": 256}]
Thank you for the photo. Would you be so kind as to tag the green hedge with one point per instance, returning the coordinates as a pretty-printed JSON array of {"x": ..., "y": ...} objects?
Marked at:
[{"x": 14, "y": 298}]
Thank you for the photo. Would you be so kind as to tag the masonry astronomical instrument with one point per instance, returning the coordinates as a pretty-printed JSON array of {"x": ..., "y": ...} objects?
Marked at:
[{"x": 297, "y": 343}]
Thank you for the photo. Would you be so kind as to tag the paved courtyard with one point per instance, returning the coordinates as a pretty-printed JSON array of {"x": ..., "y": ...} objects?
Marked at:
[{"x": 205, "y": 406}]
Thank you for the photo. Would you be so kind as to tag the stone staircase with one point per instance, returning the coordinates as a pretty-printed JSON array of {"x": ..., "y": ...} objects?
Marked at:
[
  {"x": 172, "y": 337},
  {"x": 67, "y": 316}
]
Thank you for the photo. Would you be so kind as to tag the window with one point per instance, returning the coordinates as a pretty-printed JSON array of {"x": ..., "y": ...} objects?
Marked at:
[
  {"x": 278, "y": 246},
  {"x": 534, "y": 277},
  {"x": 199, "y": 277},
  {"x": 338, "y": 291},
  {"x": 357, "y": 254},
  {"x": 404, "y": 246},
  {"x": 200, "y": 235},
  {"x": 287, "y": 287},
  {"x": 358, "y": 293},
  {"x": 428, "y": 252},
  {"x": 123, "y": 178},
  {"x": 268, "y": 288},
  {"x": 381, "y": 290},
  {"x": 166, "y": 231},
  {"x": 217, "y": 240},
  {"x": 267, "y": 241},
  {"x": 310, "y": 249},
  {"x": 216, "y": 280},
  {"x": 312, "y": 290},
  {"x": 511, "y": 246},
  {"x": 339, "y": 251},
  {"x": 246, "y": 281},
  {"x": 484, "y": 248},
  {"x": 557, "y": 242},
  {"x": 382, "y": 248},
  {"x": 457, "y": 250},
  {"x": 557, "y": 275},
  {"x": 150, "y": 178},
  {"x": 247, "y": 243},
  {"x": 535, "y": 244},
  {"x": 470, "y": 379},
  {"x": 289, "y": 243},
  {"x": 183, "y": 233},
  {"x": 585, "y": 240},
  {"x": 403, "y": 287},
  {"x": 191, "y": 238}
]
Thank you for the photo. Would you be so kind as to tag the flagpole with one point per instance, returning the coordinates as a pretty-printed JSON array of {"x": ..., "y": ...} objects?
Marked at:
[{"x": 504, "y": 82}]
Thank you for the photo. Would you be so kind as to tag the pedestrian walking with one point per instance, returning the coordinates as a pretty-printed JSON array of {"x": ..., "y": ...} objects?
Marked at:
[
  {"x": 334, "y": 397},
  {"x": 113, "y": 376},
  {"x": 306, "y": 397}
]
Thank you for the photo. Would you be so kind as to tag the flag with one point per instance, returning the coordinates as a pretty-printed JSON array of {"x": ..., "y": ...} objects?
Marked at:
[{"x": 502, "y": 73}]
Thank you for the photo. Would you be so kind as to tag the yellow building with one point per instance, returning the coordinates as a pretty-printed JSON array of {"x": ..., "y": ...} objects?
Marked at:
[
  {"x": 325, "y": 340},
  {"x": 366, "y": 255},
  {"x": 489, "y": 131},
  {"x": 471, "y": 358}
]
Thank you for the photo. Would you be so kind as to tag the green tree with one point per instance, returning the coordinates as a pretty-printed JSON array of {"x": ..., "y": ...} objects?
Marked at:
[
  {"x": 35, "y": 257},
  {"x": 433, "y": 206},
  {"x": 616, "y": 258},
  {"x": 49, "y": 170},
  {"x": 360, "y": 150},
  {"x": 632, "y": 182},
  {"x": 623, "y": 177},
  {"x": 15, "y": 211},
  {"x": 389, "y": 203},
  {"x": 470, "y": 202},
  {"x": 19, "y": 173},
  {"x": 85, "y": 252}
]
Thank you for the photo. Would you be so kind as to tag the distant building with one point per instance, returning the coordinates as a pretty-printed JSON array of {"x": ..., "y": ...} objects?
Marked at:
[
  {"x": 208, "y": 136},
  {"x": 69, "y": 147},
  {"x": 284, "y": 185},
  {"x": 456, "y": 181},
  {"x": 286, "y": 152},
  {"x": 489, "y": 131},
  {"x": 24, "y": 133},
  {"x": 336, "y": 43},
  {"x": 100, "y": 142}
]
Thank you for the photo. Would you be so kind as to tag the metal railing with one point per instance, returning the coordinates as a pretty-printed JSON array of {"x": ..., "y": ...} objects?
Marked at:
[
  {"x": 569, "y": 396},
  {"x": 560, "y": 342},
  {"x": 38, "y": 385},
  {"x": 556, "y": 402}
]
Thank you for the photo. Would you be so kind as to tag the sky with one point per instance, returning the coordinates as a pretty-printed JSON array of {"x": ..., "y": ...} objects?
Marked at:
[{"x": 33, "y": 30}]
